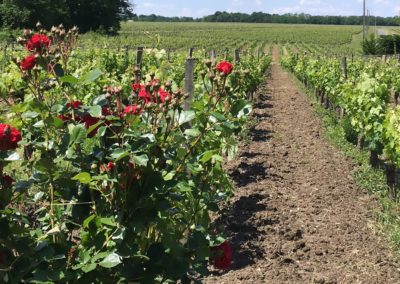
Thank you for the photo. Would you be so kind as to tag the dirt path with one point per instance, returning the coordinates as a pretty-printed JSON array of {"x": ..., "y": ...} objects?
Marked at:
[{"x": 298, "y": 216}]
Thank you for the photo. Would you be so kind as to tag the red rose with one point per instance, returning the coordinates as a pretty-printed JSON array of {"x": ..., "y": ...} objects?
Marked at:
[
  {"x": 136, "y": 87},
  {"x": 9, "y": 137},
  {"x": 7, "y": 181},
  {"x": 164, "y": 96},
  {"x": 89, "y": 122},
  {"x": 64, "y": 117},
  {"x": 110, "y": 166},
  {"x": 105, "y": 111},
  {"x": 221, "y": 256},
  {"x": 134, "y": 109},
  {"x": 27, "y": 63},
  {"x": 74, "y": 104},
  {"x": 38, "y": 42},
  {"x": 225, "y": 67},
  {"x": 145, "y": 95}
]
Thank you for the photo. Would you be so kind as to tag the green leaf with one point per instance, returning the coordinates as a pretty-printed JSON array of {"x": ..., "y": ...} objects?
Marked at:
[
  {"x": 102, "y": 131},
  {"x": 238, "y": 106},
  {"x": 29, "y": 115},
  {"x": 219, "y": 116},
  {"x": 39, "y": 124},
  {"x": 84, "y": 178},
  {"x": 192, "y": 132},
  {"x": 185, "y": 117},
  {"x": 14, "y": 156},
  {"x": 57, "y": 122},
  {"x": 111, "y": 260},
  {"x": 100, "y": 100},
  {"x": 89, "y": 267},
  {"x": 88, "y": 220},
  {"x": 207, "y": 156},
  {"x": 119, "y": 154},
  {"x": 91, "y": 76},
  {"x": 77, "y": 134},
  {"x": 169, "y": 176},
  {"x": 95, "y": 111},
  {"x": 69, "y": 79},
  {"x": 19, "y": 108},
  {"x": 141, "y": 160},
  {"x": 93, "y": 127},
  {"x": 108, "y": 221}
]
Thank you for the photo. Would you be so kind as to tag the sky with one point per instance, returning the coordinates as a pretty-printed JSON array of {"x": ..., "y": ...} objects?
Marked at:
[{"x": 199, "y": 8}]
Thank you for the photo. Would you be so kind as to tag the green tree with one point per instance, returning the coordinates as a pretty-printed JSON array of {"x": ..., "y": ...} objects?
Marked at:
[
  {"x": 12, "y": 16},
  {"x": 87, "y": 14},
  {"x": 99, "y": 14}
]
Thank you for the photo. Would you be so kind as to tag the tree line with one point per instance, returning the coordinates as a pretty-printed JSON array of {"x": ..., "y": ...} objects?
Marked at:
[
  {"x": 259, "y": 17},
  {"x": 88, "y": 15}
]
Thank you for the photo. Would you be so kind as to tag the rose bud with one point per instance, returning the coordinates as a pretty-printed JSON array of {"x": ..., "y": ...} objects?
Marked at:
[
  {"x": 208, "y": 63},
  {"x": 168, "y": 85},
  {"x": 27, "y": 32},
  {"x": 110, "y": 166},
  {"x": 39, "y": 25},
  {"x": 21, "y": 40}
]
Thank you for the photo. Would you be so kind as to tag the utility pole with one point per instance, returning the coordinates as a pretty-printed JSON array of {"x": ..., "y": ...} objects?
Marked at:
[{"x": 364, "y": 21}]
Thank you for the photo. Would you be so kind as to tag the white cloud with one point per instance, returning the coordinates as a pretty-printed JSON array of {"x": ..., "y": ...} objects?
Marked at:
[{"x": 309, "y": 2}]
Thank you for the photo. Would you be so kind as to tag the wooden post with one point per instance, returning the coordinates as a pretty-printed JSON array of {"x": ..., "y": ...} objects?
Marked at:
[
  {"x": 168, "y": 54},
  {"x": 213, "y": 55},
  {"x": 126, "y": 57},
  {"x": 139, "y": 57},
  {"x": 237, "y": 56},
  {"x": 344, "y": 68},
  {"x": 191, "y": 52},
  {"x": 189, "y": 81}
]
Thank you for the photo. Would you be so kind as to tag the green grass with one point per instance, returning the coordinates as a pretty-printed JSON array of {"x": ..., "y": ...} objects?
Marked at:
[{"x": 371, "y": 179}]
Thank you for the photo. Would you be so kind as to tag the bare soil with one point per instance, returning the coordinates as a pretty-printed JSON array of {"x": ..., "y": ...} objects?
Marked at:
[{"x": 298, "y": 216}]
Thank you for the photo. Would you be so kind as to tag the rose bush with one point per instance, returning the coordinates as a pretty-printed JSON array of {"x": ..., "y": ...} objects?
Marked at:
[{"x": 110, "y": 180}]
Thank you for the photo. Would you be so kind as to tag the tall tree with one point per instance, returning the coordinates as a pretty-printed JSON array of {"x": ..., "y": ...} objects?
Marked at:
[
  {"x": 99, "y": 14},
  {"x": 48, "y": 12},
  {"x": 87, "y": 14}
]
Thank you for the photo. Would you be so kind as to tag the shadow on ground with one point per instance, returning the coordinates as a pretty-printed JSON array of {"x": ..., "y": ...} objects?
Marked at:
[
  {"x": 240, "y": 226},
  {"x": 239, "y": 221}
]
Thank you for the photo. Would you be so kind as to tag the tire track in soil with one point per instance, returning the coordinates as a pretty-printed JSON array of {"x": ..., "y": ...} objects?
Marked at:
[{"x": 297, "y": 215}]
